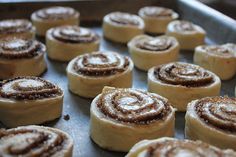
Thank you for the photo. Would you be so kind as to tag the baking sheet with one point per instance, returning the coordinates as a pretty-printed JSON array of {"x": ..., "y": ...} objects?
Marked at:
[{"x": 78, "y": 108}]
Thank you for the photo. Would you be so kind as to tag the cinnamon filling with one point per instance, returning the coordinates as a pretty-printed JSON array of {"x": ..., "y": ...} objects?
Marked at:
[
  {"x": 15, "y": 26},
  {"x": 55, "y": 13},
  {"x": 155, "y": 44},
  {"x": 20, "y": 48},
  {"x": 133, "y": 106},
  {"x": 184, "y": 26},
  {"x": 101, "y": 64},
  {"x": 26, "y": 141},
  {"x": 184, "y": 74},
  {"x": 219, "y": 112},
  {"x": 175, "y": 148},
  {"x": 124, "y": 18},
  {"x": 74, "y": 34},
  {"x": 157, "y": 12},
  {"x": 28, "y": 88}
]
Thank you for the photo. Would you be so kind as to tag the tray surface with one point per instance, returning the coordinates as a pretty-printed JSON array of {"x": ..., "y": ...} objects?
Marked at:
[{"x": 78, "y": 108}]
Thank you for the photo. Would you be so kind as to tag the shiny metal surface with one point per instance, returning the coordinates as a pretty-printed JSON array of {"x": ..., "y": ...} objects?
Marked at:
[{"x": 78, "y": 108}]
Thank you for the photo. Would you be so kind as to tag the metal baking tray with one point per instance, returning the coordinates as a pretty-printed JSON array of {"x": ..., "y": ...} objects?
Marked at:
[{"x": 220, "y": 29}]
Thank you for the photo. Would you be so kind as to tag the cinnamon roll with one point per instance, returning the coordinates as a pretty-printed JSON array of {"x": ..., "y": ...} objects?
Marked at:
[
  {"x": 19, "y": 28},
  {"x": 31, "y": 141},
  {"x": 47, "y": 18},
  {"x": 66, "y": 42},
  {"x": 156, "y": 19},
  {"x": 147, "y": 51},
  {"x": 20, "y": 57},
  {"x": 89, "y": 73},
  {"x": 122, "y": 27},
  {"x": 121, "y": 117},
  {"x": 182, "y": 82},
  {"x": 213, "y": 120},
  {"x": 29, "y": 100},
  {"x": 220, "y": 59},
  {"x": 188, "y": 34},
  {"x": 170, "y": 147}
]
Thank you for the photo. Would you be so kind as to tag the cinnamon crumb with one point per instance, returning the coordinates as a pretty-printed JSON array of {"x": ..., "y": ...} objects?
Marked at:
[{"x": 66, "y": 117}]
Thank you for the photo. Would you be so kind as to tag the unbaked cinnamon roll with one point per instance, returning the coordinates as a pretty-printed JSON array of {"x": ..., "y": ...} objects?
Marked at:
[
  {"x": 19, "y": 28},
  {"x": 147, "y": 51},
  {"x": 47, "y": 18},
  {"x": 31, "y": 141},
  {"x": 89, "y": 73},
  {"x": 29, "y": 100},
  {"x": 213, "y": 120},
  {"x": 20, "y": 57},
  {"x": 156, "y": 19},
  {"x": 122, "y": 117},
  {"x": 66, "y": 42},
  {"x": 220, "y": 59},
  {"x": 170, "y": 147},
  {"x": 122, "y": 27},
  {"x": 181, "y": 83},
  {"x": 188, "y": 34}
]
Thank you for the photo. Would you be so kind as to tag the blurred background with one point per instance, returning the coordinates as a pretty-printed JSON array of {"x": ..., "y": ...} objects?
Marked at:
[{"x": 227, "y": 7}]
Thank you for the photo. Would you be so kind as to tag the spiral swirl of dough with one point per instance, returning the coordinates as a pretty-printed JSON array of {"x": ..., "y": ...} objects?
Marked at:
[
  {"x": 217, "y": 112},
  {"x": 178, "y": 148},
  {"x": 74, "y": 34},
  {"x": 155, "y": 44},
  {"x": 156, "y": 12},
  {"x": 184, "y": 74},
  {"x": 225, "y": 50},
  {"x": 184, "y": 26},
  {"x": 54, "y": 13},
  {"x": 124, "y": 18},
  {"x": 20, "y": 48},
  {"x": 15, "y": 26},
  {"x": 101, "y": 64},
  {"x": 133, "y": 106},
  {"x": 28, "y": 88},
  {"x": 34, "y": 141}
]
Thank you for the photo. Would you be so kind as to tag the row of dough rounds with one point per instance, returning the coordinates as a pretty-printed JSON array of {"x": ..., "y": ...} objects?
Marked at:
[
  {"x": 116, "y": 114},
  {"x": 68, "y": 41},
  {"x": 119, "y": 118}
]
